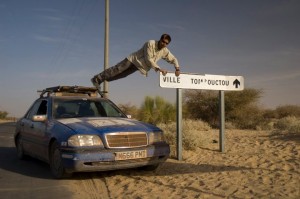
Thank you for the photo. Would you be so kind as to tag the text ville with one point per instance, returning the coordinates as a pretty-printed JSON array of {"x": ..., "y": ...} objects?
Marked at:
[{"x": 172, "y": 79}]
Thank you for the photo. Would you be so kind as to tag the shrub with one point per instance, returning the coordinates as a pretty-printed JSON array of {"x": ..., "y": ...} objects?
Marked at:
[
  {"x": 240, "y": 107},
  {"x": 191, "y": 138},
  {"x": 291, "y": 124},
  {"x": 157, "y": 110},
  {"x": 202, "y": 104},
  {"x": 287, "y": 110},
  {"x": 169, "y": 131},
  {"x": 249, "y": 117},
  {"x": 3, "y": 114},
  {"x": 129, "y": 109},
  {"x": 265, "y": 125},
  {"x": 229, "y": 125}
]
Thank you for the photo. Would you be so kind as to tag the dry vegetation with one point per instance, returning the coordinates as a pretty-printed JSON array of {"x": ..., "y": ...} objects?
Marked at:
[
  {"x": 195, "y": 133},
  {"x": 198, "y": 134}
]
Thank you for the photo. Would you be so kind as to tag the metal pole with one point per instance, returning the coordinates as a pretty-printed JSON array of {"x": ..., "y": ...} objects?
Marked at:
[
  {"x": 106, "y": 46},
  {"x": 179, "y": 122},
  {"x": 222, "y": 120}
]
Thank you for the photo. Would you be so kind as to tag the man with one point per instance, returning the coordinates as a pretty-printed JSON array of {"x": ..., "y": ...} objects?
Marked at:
[{"x": 142, "y": 60}]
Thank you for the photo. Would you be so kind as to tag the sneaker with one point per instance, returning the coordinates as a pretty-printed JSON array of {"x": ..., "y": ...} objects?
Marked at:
[{"x": 96, "y": 83}]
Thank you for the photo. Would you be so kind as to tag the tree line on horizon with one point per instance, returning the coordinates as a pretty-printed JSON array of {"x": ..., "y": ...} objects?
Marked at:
[
  {"x": 3, "y": 114},
  {"x": 242, "y": 109}
]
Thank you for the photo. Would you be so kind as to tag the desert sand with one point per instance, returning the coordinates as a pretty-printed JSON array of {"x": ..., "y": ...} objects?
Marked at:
[{"x": 255, "y": 164}]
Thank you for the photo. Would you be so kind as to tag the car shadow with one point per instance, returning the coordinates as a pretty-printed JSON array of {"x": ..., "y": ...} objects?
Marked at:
[
  {"x": 9, "y": 160},
  {"x": 175, "y": 168},
  {"x": 28, "y": 167},
  {"x": 38, "y": 169}
]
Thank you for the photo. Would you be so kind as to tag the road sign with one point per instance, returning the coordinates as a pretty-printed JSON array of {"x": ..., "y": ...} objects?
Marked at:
[{"x": 205, "y": 82}]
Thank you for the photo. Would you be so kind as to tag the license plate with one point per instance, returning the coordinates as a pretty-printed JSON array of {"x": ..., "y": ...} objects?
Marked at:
[{"x": 127, "y": 155}]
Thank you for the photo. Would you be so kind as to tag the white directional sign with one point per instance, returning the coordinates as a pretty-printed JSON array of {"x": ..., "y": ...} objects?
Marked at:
[{"x": 205, "y": 82}]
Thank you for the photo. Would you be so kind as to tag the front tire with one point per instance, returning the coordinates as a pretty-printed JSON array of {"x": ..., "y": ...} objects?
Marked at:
[{"x": 56, "y": 165}]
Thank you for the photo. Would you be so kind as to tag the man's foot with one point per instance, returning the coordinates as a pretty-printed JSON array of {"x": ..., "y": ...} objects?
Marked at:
[{"x": 96, "y": 83}]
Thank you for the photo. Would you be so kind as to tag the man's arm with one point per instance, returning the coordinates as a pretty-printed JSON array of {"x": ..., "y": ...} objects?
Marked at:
[
  {"x": 149, "y": 49},
  {"x": 170, "y": 58}
]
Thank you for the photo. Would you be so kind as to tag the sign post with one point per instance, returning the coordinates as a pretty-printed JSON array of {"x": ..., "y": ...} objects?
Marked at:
[
  {"x": 179, "y": 122},
  {"x": 204, "y": 82},
  {"x": 222, "y": 121}
]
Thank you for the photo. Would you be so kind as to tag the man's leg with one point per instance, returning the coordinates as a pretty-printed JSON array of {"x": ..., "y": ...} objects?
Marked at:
[
  {"x": 120, "y": 70},
  {"x": 131, "y": 69}
]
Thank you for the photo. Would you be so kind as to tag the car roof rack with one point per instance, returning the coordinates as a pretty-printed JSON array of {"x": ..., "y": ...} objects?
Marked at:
[{"x": 69, "y": 91}]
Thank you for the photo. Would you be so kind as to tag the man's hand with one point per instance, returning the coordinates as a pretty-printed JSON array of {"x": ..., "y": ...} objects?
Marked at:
[
  {"x": 177, "y": 72},
  {"x": 164, "y": 72}
]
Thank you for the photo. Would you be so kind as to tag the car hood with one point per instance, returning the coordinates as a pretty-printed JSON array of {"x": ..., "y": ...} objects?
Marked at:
[{"x": 106, "y": 125}]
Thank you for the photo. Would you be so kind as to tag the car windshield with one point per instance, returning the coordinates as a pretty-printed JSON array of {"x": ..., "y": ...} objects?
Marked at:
[{"x": 70, "y": 108}]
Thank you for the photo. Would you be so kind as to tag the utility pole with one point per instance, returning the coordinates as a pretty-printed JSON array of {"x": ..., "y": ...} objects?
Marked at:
[{"x": 106, "y": 46}]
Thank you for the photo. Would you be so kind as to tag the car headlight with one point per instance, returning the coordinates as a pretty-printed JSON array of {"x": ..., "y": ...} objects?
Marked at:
[
  {"x": 84, "y": 140},
  {"x": 155, "y": 137}
]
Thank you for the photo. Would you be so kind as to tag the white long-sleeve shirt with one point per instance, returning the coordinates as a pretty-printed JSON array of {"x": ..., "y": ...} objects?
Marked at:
[{"x": 148, "y": 56}]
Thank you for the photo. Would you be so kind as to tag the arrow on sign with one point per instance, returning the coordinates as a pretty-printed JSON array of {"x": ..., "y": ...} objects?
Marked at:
[{"x": 236, "y": 83}]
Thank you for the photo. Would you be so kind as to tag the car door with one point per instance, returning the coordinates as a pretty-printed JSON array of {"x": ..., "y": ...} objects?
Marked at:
[{"x": 34, "y": 132}]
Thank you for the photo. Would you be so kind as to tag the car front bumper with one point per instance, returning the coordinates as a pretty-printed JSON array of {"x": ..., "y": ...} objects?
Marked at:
[{"x": 105, "y": 159}]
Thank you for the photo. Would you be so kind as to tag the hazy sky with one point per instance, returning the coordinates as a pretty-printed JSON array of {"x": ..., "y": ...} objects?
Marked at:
[{"x": 45, "y": 43}]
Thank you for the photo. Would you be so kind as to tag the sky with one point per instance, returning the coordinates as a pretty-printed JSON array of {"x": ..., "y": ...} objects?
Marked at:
[{"x": 61, "y": 42}]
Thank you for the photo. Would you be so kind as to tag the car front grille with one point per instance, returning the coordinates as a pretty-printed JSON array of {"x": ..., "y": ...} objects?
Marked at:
[{"x": 126, "y": 139}]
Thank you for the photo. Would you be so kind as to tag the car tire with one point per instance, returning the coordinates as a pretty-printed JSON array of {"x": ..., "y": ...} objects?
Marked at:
[
  {"x": 56, "y": 165},
  {"x": 20, "y": 150}
]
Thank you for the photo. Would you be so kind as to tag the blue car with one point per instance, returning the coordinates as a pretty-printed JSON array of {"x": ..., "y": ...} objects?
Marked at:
[{"x": 75, "y": 130}]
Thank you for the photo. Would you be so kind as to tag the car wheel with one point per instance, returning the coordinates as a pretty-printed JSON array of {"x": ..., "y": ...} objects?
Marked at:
[
  {"x": 56, "y": 164},
  {"x": 19, "y": 146}
]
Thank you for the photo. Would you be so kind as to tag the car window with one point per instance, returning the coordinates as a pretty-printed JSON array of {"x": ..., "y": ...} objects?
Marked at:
[
  {"x": 67, "y": 108},
  {"x": 42, "y": 110},
  {"x": 38, "y": 108},
  {"x": 111, "y": 110}
]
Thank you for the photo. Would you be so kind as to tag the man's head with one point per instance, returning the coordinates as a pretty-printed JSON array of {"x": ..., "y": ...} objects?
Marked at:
[{"x": 165, "y": 39}]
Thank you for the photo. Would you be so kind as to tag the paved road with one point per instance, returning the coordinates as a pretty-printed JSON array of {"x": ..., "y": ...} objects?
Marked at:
[{"x": 28, "y": 179}]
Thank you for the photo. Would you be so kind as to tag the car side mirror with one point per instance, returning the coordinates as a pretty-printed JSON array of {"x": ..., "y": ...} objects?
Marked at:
[{"x": 39, "y": 118}]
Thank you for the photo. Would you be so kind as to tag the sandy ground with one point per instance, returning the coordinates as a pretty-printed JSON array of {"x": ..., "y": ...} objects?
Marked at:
[{"x": 255, "y": 165}]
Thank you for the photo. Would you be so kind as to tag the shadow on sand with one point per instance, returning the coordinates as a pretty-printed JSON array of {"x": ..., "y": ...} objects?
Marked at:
[{"x": 286, "y": 136}]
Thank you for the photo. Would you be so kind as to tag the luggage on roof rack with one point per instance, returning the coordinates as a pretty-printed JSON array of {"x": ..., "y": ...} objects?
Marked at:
[{"x": 69, "y": 90}]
